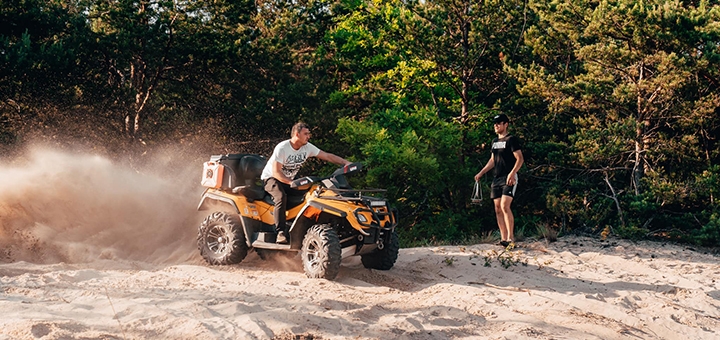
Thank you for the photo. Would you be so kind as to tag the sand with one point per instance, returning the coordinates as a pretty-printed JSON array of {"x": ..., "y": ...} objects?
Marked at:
[{"x": 89, "y": 250}]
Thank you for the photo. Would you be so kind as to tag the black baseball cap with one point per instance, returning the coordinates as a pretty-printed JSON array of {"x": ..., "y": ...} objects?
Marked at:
[{"x": 501, "y": 118}]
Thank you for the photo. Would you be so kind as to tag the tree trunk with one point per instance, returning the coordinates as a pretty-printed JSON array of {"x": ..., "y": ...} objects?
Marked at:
[
  {"x": 136, "y": 126},
  {"x": 466, "y": 73},
  {"x": 464, "y": 98},
  {"x": 127, "y": 125},
  {"x": 639, "y": 159}
]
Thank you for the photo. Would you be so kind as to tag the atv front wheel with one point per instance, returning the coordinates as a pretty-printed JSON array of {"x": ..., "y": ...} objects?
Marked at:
[
  {"x": 321, "y": 253},
  {"x": 383, "y": 259},
  {"x": 221, "y": 239}
]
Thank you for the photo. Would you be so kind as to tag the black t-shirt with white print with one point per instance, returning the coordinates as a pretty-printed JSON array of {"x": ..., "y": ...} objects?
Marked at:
[{"x": 502, "y": 150}]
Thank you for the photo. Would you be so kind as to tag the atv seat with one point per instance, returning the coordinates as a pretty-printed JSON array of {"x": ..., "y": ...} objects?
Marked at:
[
  {"x": 251, "y": 167},
  {"x": 242, "y": 175}
]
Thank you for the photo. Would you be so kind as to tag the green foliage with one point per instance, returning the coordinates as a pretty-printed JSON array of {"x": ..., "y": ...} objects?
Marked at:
[
  {"x": 707, "y": 182},
  {"x": 506, "y": 258},
  {"x": 547, "y": 232},
  {"x": 615, "y": 70},
  {"x": 42, "y": 44},
  {"x": 397, "y": 149},
  {"x": 415, "y": 155},
  {"x": 408, "y": 154},
  {"x": 616, "y": 102},
  {"x": 709, "y": 234},
  {"x": 449, "y": 261},
  {"x": 632, "y": 232}
]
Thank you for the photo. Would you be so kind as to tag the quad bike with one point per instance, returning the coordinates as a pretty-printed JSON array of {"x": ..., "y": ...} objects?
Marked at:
[{"x": 328, "y": 219}]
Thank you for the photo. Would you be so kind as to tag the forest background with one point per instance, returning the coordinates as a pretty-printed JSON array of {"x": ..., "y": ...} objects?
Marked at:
[{"x": 616, "y": 102}]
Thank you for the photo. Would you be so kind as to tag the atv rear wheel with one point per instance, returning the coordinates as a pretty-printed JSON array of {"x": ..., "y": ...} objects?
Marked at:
[
  {"x": 383, "y": 259},
  {"x": 221, "y": 239},
  {"x": 321, "y": 253}
]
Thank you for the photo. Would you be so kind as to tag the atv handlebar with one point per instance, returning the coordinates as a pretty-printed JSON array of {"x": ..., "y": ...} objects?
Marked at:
[
  {"x": 348, "y": 169},
  {"x": 304, "y": 183}
]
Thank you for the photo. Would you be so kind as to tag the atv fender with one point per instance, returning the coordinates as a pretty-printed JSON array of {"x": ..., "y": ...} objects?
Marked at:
[
  {"x": 208, "y": 197},
  {"x": 316, "y": 209},
  {"x": 326, "y": 208},
  {"x": 251, "y": 228}
]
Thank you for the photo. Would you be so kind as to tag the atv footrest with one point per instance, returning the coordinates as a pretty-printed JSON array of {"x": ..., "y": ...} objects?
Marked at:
[
  {"x": 268, "y": 245},
  {"x": 266, "y": 237}
]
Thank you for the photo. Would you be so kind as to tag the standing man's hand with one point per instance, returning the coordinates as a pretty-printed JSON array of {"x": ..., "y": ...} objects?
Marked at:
[
  {"x": 477, "y": 176},
  {"x": 511, "y": 179}
]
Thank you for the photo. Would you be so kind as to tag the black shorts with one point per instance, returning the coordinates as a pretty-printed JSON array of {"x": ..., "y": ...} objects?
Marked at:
[{"x": 499, "y": 187}]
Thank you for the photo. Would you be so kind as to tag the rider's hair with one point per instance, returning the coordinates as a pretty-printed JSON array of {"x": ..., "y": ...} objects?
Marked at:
[{"x": 298, "y": 127}]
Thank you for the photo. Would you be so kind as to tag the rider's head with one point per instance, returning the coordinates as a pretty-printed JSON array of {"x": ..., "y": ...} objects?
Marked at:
[{"x": 300, "y": 132}]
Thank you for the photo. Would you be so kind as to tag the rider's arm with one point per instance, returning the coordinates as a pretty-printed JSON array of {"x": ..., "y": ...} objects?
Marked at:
[
  {"x": 278, "y": 174},
  {"x": 490, "y": 164},
  {"x": 328, "y": 157}
]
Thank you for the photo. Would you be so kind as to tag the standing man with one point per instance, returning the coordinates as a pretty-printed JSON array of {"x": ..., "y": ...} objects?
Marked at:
[
  {"x": 506, "y": 159},
  {"x": 280, "y": 170}
]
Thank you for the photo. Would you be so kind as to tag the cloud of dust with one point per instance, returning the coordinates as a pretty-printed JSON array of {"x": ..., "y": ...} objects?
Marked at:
[{"x": 61, "y": 206}]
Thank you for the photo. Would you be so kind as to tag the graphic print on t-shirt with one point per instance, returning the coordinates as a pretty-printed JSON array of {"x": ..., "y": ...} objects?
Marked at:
[
  {"x": 499, "y": 145},
  {"x": 293, "y": 163}
]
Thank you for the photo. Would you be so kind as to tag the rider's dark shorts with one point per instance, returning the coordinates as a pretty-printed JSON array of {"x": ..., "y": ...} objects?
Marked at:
[{"x": 500, "y": 188}]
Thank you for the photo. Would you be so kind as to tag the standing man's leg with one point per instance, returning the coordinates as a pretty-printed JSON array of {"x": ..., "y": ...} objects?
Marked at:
[
  {"x": 500, "y": 216},
  {"x": 508, "y": 193},
  {"x": 277, "y": 191},
  {"x": 508, "y": 218}
]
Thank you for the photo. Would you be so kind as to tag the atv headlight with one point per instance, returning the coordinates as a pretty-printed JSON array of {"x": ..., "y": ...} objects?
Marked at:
[
  {"x": 362, "y": 218},
  {"x": 377, "y": 203}
]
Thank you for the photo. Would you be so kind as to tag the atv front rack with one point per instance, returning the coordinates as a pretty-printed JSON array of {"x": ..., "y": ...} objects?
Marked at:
[
  {"x": 358, "y": 192},
  {"x": 371, "y": 205}
]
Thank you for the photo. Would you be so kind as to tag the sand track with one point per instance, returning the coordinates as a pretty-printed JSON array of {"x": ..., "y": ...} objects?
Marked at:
[{"x": 112, "y": 256}]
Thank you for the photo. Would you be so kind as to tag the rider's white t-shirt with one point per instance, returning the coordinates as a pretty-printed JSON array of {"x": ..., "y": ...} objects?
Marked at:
[{"x": 290, "y": 159}]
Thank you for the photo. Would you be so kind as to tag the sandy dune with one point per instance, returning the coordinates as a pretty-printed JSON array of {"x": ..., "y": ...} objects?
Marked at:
[
  {"x": 117, "y": 260},
  {"x": 576, "y": 288}
]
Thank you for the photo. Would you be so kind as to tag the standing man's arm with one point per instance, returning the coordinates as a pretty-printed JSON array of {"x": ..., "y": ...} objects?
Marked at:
[
  {"x": 332, "y": 158},
  {"x": 490, "y": 164},
  {"x": 278, "y": 174},
  {"x": 518, "y": 163}
]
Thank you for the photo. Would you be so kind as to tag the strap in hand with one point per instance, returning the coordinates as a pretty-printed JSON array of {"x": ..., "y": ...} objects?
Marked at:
[{"x": 476, "y": 197}]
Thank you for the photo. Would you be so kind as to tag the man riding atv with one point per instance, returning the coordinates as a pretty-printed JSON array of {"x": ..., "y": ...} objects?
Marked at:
[
  {"x": 285, "y": 162},
  {"x": 329, "y": 220}
]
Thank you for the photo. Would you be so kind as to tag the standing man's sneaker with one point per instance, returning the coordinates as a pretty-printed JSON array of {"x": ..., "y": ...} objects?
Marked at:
[{"x": 282, "y": 237}]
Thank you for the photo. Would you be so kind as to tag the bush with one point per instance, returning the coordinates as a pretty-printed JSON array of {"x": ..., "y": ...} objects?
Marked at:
[{"x": 709, "y": 234}]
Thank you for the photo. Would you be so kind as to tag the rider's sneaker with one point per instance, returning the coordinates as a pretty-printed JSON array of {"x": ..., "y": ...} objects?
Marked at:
[{"x": 282, "y": 238}]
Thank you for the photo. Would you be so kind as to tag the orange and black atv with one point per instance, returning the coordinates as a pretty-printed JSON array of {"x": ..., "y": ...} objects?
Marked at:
[{"x": 328, "y": 219}]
